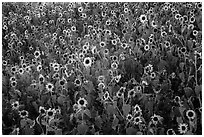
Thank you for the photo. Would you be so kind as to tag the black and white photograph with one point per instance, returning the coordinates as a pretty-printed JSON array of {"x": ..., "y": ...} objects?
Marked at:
[{"x": 101, "y": 68}]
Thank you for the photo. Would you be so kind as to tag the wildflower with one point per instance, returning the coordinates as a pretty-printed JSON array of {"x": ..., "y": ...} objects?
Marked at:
[
  {"x": 183, "y": 128},
  {"x": 170, "y": 132},
  {"x": 101, "y": 78},
  {"x": 51, "y": 113},
  {"x": 144, "y": 82},
  {"x": 42, "y": 110},
  {"x": 119, "y": 94},
  {"x": 117, "y": 78},
  {"x": 195, "y": 32},
  {"x": 13, "y": 69},
  {"x": 23, "y": 114},
  {"x": 153, "y": 75},
  {"x": 49, "y": 86},
  {"x": 81, "y": 55},
  {"x": 106, "y": 95},
  {"x": 101, "y": 86},
  {"x": 124, "y": 45},
  {"x": 138, "y": 89},
  {"x": 114, "y": 41},
  {"x": 37, "y": 54},
  {"x": 173, "y": 75},
  {"x": 131, "y": 93},
  {"x": 137, "y": 120},
  {"x": 114, "y": 65},
  {"x": 73, "y": 28},
  {"x": 94, "y": 50},
  {"x": 146, "y": 47},
  {"x": 77, "y": 82},
  {"x": 177, "y": 99},
  {"x": 183, "y": 50},
  {"x": 87, "y": 62},
  {"x": 102, "y": 44},
  {"x": 85, "y": 47},
  {"x": 156, "y": 118},
  {"x": 80, "y": 9},
  {"x": 39, "y": 67},
  {"x": 62, "y": 81},
  {"x": 12, "y": 79},
  {"x": 41, "y": 78},
  {"x": 143, "y": 18},
  {"x": 129, "y": 117},
  {"x": 13, "y": 83},
  {"x": 75, "y": 107},
  {"x": 82, "y": 102},
  {"x": 137, "y": 110},
  {"x": 190, "y": 114},
  {"x": 4, "y": 62},
  {"x": 15, "y": 105},
  {"x": 21, "y": 71}
]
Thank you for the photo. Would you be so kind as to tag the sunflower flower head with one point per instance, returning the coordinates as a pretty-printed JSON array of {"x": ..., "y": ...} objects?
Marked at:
[
  {"x": 82, "y": 102},
  {"x": 23, "y": 114},
  {"x": 183, "y": 128}
]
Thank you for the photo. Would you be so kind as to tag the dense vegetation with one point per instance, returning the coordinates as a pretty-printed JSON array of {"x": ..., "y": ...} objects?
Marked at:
[{"x": 101, "y": 68}]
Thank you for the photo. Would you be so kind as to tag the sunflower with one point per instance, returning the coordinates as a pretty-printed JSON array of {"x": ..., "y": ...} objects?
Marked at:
[
  {"x": 42, "y": 110},
  {"x": 51, "y": 113},
  {"x": 183, "y": 128},
  {"x": 49, "y": 86},
  {"x": 137, "y": 120},
  {"x": 23, "y": 114},
  {"x": 15, "y": 105},
  {"x": 101, "y": 86},
  {"x": 131, "y": 93},
  {"x": 156, "y": 118},
  {"x": 87, "y": 62},
  {"x": 75, "y": 107},
  {"x": 170, "y": 132},
  {"x": 137, "y": 110},
  {"x": 143, "y": 18},
  {"x": 82, "y": 102},
  {"x": 129, "y": 117},
  {"x": 106, "y": 95},
  {"x": 190, "y": 114},
  {"x": 119, "y": 94}
]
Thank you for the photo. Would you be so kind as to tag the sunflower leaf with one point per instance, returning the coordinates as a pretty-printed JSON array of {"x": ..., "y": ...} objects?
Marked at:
[{"x": 126, "y": 109}]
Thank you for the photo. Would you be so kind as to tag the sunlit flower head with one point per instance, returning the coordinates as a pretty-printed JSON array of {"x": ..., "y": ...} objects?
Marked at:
[
  {"x": 183, "y": 128},
  {"x": 129, "y": 117},
  {"x": 114, "y": 65},
  {"x": 101, "y": 78},
  {"x": 137, "y": 120},
  {"x": 106, "y": 95},
  {"x": 156, "y": 118},
  {"x": 75, "y": 107},
  {"x": 15, "y": 105},
  {"x": 42, "y": 110},
  {"x": 143, "y": 18},
  {"x": 51, "y": 113},
  {"x": 190, "y": 114},
  {"x": 170, "y": 132},
  {"x": 23, "y": 114},
  {"x": 131, "y": 93},
  {"x": 77, "y": 82},
  {"x": 138, "y": 89},
  {"x": 137, "y": 109},
  {"x": 82, "y": 102},
  {"x": 101, "y": 86},
  {"x": 49, "y": 87},
  {"x": 117, "y": 78},
  {"x": 87, "y": 62},
  {"x": 119, "y": 94}
]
